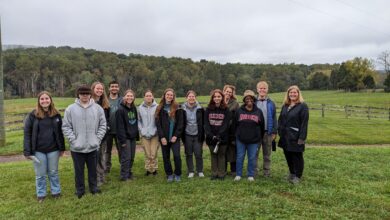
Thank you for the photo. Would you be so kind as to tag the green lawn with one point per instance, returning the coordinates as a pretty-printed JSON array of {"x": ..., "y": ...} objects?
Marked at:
[
  {"x": 334, "y": 128},
  {"x": 339, "y": 183}
]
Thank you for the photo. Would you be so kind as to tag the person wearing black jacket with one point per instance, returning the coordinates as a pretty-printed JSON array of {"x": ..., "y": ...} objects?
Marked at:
[
  {"x": 127, "y": 133},
  {"x": 193, "y": 135},
  {"x": 216, "y": 125},
  {"x": 100, "y": 97},
  {"x": 229, "y": 92},
  {"x": 44, "y": 144},
  {"x": 169, "y": 122},
  {"x": 249, "y": 123},
  {"x": 293, "y": 123}
]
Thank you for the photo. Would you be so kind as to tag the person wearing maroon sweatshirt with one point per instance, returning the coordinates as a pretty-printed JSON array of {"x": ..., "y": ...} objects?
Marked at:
[{"x": 216, "y": 125}]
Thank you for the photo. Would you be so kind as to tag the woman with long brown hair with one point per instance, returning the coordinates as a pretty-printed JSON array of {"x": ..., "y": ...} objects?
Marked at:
[
  {"x": 169, "y": 122},
  {"x": 44, "y": 144},
  {"x": 100, "y": 97},
  {"x": 216, "y": 125}
]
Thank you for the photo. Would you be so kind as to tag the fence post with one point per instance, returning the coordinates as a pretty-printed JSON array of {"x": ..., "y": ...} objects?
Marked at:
[
  {"x": 368, "y": 112},
  {"x": 323, "y": 110},
  {"x": 346, "y": 111}
]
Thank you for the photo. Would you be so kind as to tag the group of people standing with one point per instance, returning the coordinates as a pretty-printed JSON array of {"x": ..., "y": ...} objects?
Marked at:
[{"x": 96, "y": 121}]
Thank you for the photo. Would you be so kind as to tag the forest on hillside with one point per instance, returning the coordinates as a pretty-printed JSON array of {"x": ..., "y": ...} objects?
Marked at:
[{"x": 61, "y": 69}]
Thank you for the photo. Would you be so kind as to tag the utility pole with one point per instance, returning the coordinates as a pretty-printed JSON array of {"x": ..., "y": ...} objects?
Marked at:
[{"x": 2, "y": 124}]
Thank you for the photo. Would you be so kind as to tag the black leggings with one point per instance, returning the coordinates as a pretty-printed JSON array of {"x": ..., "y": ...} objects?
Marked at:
[{"x": 295, "y": 162}]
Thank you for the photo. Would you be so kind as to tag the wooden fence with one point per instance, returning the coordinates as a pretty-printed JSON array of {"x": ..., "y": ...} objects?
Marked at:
[{"x": 14, "y": 122}]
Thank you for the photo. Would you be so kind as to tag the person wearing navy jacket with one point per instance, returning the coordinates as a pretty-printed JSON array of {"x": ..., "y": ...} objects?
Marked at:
[
  {"x": 293, "y": 123},
  {"x": 267, "y": 106},
  {"x": 249, "y": 124}
]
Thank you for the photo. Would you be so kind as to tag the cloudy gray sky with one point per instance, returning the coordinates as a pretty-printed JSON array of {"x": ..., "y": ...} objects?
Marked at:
[{"x": 246, "y": 31}]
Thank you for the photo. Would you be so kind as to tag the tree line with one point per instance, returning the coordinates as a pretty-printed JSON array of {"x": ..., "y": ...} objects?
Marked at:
[{"x": 61, "y": 69}]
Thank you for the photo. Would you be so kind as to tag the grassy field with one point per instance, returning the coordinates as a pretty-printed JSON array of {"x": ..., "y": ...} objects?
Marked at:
[
  {"x": 334, "y": 128},
  {"x": 338, "y": 183}
]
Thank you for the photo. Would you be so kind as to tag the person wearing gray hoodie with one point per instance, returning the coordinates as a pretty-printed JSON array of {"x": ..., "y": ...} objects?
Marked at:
[
  {"x": 148, "y": 130},
  {"x": 193, "y": 135},
  {"x": 84, "y": 125}
]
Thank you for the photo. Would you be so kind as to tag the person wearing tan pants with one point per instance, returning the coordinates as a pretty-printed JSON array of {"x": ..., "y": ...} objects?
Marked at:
[{"x": 148, "y": 131}]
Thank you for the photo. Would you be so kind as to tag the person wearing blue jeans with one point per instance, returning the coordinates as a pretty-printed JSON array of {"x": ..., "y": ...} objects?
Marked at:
[
  {"x": 47, "y": 166},
  {"x": 249, "y": 126},
  {"x": 44, "y": 144}
]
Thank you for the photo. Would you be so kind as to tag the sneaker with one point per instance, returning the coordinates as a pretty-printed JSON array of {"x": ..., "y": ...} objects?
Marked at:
[
  {"x": 99, "y": 183},
  {"x": 191, "y": 175},
  {"x": 177, "y": 178},
  {"x": 155, "y": 173},
  {"x": 147, "y": 173},
  {"x": 295, "y": 180},
  {"x": 237, "y": 178},
  {"x": 233, "y": 173},
  {"x": 170, "y": 178},
  {"x": 201, "y": 174},
  {"x": 41, "y": 199},
  {"x": 251, "y": 179}
]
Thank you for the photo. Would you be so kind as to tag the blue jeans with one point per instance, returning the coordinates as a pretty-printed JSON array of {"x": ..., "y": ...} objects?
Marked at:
[
  {"x": 241, "y": 150},
  {"x": 48, "y": 166}
]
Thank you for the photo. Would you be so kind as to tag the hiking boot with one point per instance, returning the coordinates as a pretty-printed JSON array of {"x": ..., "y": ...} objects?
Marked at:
[
  {"x": 213, "y": 177},
  {"x": 155, "y": 173},
  {"x": 41, "y": 199},
  {"x": 147, "y": 173},
  {"x": 56, "y": 196}
]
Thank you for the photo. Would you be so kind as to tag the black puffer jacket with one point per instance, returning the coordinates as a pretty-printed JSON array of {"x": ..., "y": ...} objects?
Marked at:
[
  {"x": 31, "y": 133},
  {"x": 293, "y": 126}
]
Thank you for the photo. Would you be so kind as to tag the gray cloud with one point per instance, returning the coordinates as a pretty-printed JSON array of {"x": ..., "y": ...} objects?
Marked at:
[{"x": 248, "y": 31}]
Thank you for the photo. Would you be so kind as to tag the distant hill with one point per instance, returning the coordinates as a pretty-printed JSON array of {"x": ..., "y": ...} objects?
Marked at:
[{"x": 15, "y": 46}]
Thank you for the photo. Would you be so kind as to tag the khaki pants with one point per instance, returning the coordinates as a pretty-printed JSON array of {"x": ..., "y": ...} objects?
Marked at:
[
  {"x": 150, "y": 148},
  {"x": 266, "y": 145}
]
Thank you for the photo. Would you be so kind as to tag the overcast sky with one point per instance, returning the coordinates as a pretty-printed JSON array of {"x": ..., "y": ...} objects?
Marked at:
[{"x": 256, "y": 31}]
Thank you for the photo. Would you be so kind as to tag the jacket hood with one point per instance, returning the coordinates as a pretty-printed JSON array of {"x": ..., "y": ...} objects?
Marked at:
[
  {"x": 91, "y": 102},
  {"x": 186, "y": 106},
  {"x": 154, "y": 103}
]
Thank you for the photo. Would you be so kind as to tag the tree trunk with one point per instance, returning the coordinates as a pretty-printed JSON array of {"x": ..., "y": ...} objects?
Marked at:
[{"x": 2, "y": 118}]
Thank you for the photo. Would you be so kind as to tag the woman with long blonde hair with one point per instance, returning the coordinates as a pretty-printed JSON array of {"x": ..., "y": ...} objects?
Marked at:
[
  {"x": 100, "y": 97},
  {"x": 293, "y": 122}
]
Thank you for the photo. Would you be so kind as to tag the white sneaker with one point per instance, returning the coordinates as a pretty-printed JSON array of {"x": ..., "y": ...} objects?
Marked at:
[
  {"x": 251, "y": 179},
  {"x": 237, "y": 178},
  {"x": 191, "y": 175},
  {"x": 201, "y": 174}
]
